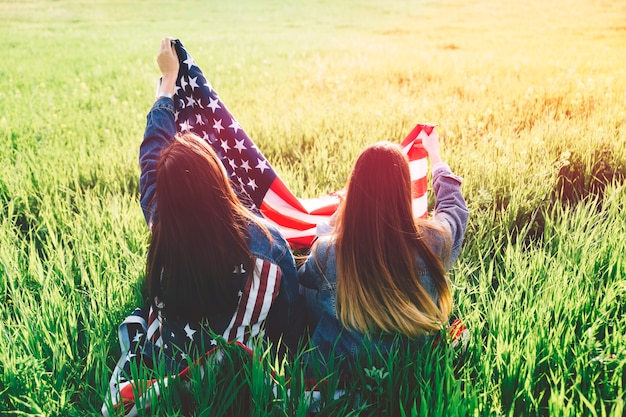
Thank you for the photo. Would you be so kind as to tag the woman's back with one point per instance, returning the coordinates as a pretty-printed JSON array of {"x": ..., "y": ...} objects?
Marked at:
[{"x": 381, "y": 274}]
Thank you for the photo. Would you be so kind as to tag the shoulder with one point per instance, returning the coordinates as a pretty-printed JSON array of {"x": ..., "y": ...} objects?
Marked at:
[
  {"x": 437, "y": 235},
  {"x": 266, "y": 240},
  {"x": 324, "y": 249}
]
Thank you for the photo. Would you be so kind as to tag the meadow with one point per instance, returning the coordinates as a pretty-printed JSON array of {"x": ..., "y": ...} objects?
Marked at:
[{"x": 530, "y": 98}]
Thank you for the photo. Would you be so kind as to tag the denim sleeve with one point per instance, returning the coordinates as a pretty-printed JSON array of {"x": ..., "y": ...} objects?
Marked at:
[
  {"x": 309, "y": 274},
  {"x": 160, "y": 132},
  {"x": 450, "y": 207},
  {"x": 286, "y": 318}
]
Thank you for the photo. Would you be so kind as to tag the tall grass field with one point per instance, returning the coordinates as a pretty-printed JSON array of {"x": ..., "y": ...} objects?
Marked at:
[{"x": 530, "y": 98}]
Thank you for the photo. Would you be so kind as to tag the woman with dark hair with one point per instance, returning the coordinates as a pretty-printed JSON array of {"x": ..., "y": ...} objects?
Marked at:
[
  {"x": 381, "y": 273},
  {"x": 214, "y": 268}
]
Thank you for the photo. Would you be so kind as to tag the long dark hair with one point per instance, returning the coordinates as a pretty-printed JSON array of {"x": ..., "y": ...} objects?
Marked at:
[
  {"x": 200, "y": 237},
  {"x": 378, "y": 241}
]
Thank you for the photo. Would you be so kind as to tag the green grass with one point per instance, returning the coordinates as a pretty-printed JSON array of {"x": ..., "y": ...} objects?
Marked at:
[{"x": 530, "y": 98}]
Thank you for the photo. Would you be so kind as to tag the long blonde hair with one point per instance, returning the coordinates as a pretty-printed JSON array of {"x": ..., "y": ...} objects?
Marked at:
[{"x": 378, "y": 242}]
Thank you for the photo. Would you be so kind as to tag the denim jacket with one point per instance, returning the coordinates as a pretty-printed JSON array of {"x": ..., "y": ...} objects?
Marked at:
[
  {"x": 319, "y": 274},
  {"x": 285, "y": 320}
]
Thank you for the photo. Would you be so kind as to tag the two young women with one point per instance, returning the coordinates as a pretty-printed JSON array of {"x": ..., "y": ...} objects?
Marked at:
[{"x": 378, "y": 273}]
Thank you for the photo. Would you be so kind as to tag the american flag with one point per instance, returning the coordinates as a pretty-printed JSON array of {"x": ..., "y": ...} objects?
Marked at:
[{"x": 198, "y": 109}]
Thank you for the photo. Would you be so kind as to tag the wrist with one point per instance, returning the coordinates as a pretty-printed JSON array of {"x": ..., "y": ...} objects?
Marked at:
[
  {"x": 439, "y": 165},
  {"x": 165, "y": 87},
  {"x": 435, "y": 159},
  {"x": 161, "y": 94}
]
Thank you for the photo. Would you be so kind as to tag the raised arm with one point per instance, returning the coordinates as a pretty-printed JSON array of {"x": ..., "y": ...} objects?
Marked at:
[
  {"x": 160, "y": 129},
  {"x": 450, "y": 207}
]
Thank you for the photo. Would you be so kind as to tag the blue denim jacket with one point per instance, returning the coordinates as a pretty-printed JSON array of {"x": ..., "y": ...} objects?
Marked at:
[
  {"x": 286, "y": 316},
  {"x": 319, "y": 274}
]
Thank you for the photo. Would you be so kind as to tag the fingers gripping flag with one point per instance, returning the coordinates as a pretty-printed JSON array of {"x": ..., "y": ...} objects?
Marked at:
[{"x": 198, "y": 109}]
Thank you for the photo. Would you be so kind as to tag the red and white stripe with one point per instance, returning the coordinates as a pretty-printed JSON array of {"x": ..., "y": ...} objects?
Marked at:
[
  {"x": 254, "y": 305},
  {"x": 297, "y": 218}
]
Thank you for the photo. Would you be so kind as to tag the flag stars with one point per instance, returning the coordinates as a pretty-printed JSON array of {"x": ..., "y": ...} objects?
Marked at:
[
  {"x": 138, "y": 336},
  {"x": 185, "y": 126},
  {"x": 225, "y": 146},
  {"x": 193, "y": 83},
  {"x": 189, "y": 62},
  {"x": 235, "y": 125},
  {"x": 232, "y": 163},
  {"x": 214, "y": 104},
  {"x": 189, "y": 331},
  {"x": 183, "y": 83},
  {"x": 245, "y": 165},
  {"x": 262, "y": 165},
  {"x": 213, "y": 342},
  {"x": 239, "y": 145},
  {"x": 252, "y": 184},
  {"x": 199, "y": 120},
  {"x": 217, "y": 125},
  {"x": 190, "y": 101}
]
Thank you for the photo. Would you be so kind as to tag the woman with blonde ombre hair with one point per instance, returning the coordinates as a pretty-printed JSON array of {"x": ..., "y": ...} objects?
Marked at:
[{"x": 380, "y": 273}]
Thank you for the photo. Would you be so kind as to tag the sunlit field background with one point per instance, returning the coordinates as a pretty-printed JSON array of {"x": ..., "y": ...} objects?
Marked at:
[{"x": 530, "y": 98}]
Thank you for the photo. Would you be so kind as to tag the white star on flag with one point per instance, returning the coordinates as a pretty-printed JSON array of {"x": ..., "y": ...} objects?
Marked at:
[
  {"x": 190, "y": 62},
  {"x": 239, "y": 145},
  {"x": 235, "y": 125},
  {"x": 232, "y": 163},
  {"x": 189, "y": 331},
  {"x": 137, "y": 337},
  {"x": 262, "y": 165},
  {"x": 185, "y": 126},
  {"x": 252, "y": 184},
  {"x": 183, "y": 83},
  {"x": 213, "y": 342},
  {"x": 225, "y": 146},
  {"x": 213, "y": 104},
  {"x": 217, "y": 125},
  {"x": 200, "y": 122},
  {"x": 245, "y": 165},
  {"x": 193, "y": 83}
]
